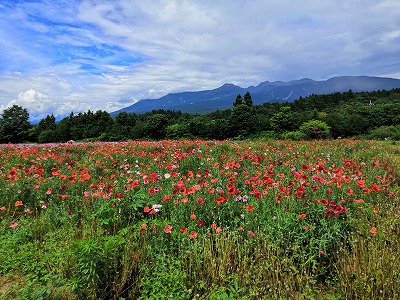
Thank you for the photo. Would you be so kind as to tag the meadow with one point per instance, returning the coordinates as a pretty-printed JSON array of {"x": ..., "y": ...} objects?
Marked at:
[{"x": 200, "y": 220}]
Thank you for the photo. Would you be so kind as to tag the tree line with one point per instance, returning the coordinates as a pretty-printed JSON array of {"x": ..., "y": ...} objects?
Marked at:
[{"x": 363, "y": 114}]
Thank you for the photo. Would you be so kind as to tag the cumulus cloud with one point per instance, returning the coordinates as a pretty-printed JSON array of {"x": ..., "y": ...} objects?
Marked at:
[
  {"x": 75, "y": 55},
  {"x": 35, "y": 101}
]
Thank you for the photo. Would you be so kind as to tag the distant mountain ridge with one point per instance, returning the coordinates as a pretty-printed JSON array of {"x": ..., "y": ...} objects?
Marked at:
[{"x": 223, "y": 97}]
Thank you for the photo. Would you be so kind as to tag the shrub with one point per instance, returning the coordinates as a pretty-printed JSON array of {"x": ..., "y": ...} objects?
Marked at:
[
  {"x": 315, "y": 129},
  {"x": 294, "y": 135}
]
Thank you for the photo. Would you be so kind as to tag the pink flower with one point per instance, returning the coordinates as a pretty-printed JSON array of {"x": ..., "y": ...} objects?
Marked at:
[
  {"x": 251, "y": 233},
  {"x": 13, "y": 224}
]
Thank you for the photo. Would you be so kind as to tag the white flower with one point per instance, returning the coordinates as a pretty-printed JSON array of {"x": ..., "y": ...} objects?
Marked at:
[{"x": 156, "y": 207}]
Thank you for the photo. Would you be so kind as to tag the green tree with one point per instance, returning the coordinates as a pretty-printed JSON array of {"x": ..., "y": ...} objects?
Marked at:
[
  {"x": 242, "y": 122},
  {"x": 155, "y": 126},
  {"x": 123, "y": 127},
  {"x": 283, "y": 120},
  {"x": 48, "y": 123},
  {"x": 238, "y": 100},
  {"x": 177, "y": 131},
  {"x": 247, "y": 99},
  {"x": 47, "y": 136},
  {"x": 46, "y": 130},
  {"x": 63, "y": 130},
  {"x": 101, "y": 125},
  {"x": 14, "y": 124}
]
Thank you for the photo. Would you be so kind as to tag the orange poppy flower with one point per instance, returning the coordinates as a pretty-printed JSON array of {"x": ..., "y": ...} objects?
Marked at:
[
  {"x": 168, "y": 229},
  {"x": 192, "y": 235}
]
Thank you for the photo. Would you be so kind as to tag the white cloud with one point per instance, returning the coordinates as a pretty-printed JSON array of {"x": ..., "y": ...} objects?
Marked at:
[
  {"x": 35, "y": 101},
  {"x": 78, "y": 55}
]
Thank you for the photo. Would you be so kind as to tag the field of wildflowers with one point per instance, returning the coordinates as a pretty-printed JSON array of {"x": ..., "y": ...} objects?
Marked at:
[{"x": 200, "y": 220}]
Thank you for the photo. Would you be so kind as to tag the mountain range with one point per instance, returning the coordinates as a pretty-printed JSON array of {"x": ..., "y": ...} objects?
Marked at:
[{"x": 278, "y": 91}]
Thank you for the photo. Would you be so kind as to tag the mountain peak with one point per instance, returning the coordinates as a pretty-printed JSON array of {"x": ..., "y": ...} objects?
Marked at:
[
  {"x": 278, "y": 91},
  {"x": 228, "y": 85}
]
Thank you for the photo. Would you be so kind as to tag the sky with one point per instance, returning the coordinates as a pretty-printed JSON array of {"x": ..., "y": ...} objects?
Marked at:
[{"x": 62, "y": 56}]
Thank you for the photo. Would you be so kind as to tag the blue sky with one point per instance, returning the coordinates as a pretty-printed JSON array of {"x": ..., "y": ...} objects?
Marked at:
[{"x": 59, "y": 56}]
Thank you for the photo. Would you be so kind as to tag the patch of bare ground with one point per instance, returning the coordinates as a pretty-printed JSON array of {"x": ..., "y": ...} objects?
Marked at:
[{"x": 8, "y": 286}]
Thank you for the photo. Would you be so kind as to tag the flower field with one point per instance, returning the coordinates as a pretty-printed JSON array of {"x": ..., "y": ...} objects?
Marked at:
[{"x": 200, "y": 220}]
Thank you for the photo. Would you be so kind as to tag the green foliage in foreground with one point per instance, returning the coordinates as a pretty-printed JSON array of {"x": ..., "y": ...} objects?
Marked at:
[{"x": 262, "y": 229}]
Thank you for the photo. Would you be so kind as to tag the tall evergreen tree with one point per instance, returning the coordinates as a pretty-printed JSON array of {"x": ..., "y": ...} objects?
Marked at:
[
  {"x": 238, "y": 101},
  {"x": 14, "y": 124},
  {"x": 247, "y": 99}
]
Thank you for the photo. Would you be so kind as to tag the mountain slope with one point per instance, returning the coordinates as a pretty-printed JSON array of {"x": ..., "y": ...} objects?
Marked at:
[{"x": 278, "y": 91}]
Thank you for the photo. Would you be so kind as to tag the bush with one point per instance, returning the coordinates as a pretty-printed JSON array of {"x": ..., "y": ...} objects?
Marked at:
[
  {"x": 385, "y": 132},
  {"x": 315, "y": 129},
  {"x": 294, "y": 135}
]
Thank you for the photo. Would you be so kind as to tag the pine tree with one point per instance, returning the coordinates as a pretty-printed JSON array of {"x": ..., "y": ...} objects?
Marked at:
[
  {"x": 247, "y": 99},
  {"x": 238, "y": 101}
]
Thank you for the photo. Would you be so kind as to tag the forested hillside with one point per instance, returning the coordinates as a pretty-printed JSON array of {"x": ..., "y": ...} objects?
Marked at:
[{"x": 363, "y": 114}]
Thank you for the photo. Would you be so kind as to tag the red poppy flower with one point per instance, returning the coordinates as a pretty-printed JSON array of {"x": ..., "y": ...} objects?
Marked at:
[
  {"x": 302, "y": 216},
  {"x": 220, "y": 200},
  {"x": 249, "y": 208},
  {"x": 374, "y": 187}
]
